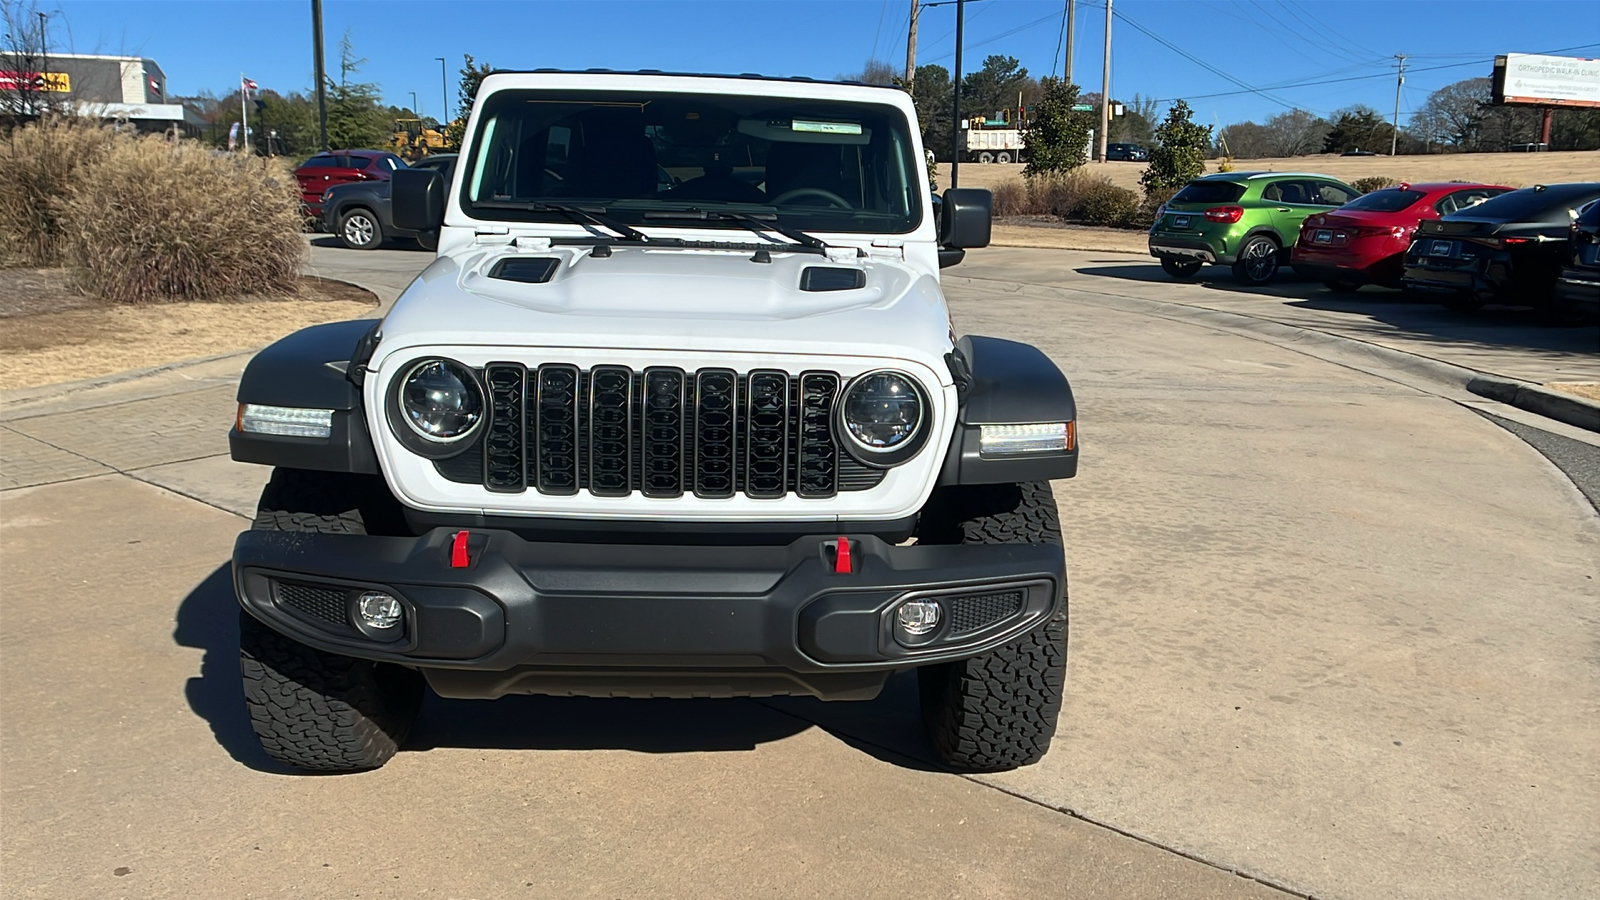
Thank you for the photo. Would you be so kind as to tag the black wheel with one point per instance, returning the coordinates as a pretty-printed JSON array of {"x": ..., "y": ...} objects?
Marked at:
[
  {"x": 1258, "y": 261},
  {"x": 1179, "y": 269},
  {"x": 359, "y": 230},
  {"x": 996, "y": 711},
  {"x": 1342, "y": 287},
  {"x": 312, "y": 709}
]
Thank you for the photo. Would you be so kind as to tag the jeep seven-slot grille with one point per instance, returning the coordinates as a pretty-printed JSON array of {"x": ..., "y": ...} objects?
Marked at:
[{"x": 663, "y": 432}]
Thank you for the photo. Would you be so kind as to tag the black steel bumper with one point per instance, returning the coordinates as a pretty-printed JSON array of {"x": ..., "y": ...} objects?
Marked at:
[{"x": 646, "y": 620}]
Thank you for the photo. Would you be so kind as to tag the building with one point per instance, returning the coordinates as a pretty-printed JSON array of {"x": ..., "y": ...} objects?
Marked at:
[{"x": 128, "y": 89}]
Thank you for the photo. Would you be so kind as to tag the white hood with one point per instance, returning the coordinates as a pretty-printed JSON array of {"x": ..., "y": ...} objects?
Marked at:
[{"x": 673, "y": 300}]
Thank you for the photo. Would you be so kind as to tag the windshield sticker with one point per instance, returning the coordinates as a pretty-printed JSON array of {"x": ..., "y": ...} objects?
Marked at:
[{"x": 826, "y": 127}]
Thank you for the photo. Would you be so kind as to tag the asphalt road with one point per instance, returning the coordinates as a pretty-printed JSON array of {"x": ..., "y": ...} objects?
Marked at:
[{"x": 1332, "y": 628}]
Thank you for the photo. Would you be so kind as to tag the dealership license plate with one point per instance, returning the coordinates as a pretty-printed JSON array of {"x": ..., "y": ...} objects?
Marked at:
[
  {"x": 1180, "y": 222},
  {"x": 1323, "y": 236},
  {"x": 1441, "y": 248}
]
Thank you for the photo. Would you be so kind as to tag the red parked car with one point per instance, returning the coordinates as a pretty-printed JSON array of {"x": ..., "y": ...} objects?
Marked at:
[
  {"x": 332, "y": 167},
  {"x": 1365, "y": 240}
]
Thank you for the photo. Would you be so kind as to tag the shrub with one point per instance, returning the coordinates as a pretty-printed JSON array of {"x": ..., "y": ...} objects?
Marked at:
[
  {"x": 1011, "y": 198},
  {"x": 1103, "y": 203},
  {"x": 1374, "y": 183},
  {"x": 1179, "y": 153},
  {"x": 151, "y": 220},
  {"x": 39, "y": 163}
]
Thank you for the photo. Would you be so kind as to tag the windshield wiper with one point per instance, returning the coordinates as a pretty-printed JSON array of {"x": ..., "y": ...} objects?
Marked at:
[
  {"x": 583, "y": 215},
  {"x": 757, "y": 222}
]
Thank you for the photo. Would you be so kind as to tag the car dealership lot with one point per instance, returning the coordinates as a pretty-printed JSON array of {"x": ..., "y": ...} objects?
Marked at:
[{"x": 1329, "y": 628}]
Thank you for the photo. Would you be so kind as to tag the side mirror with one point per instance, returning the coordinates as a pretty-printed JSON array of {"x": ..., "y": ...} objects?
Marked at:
[
  {"x": 964, "y": 218},
  {"x": 417, "y": 199}
]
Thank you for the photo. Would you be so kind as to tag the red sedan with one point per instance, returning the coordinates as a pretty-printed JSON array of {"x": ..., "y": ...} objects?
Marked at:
[{"x": 1365, "y": 240}]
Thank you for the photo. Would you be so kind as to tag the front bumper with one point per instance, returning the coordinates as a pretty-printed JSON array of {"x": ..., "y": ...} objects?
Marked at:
[
  {"x": 646, "y": 620},
  {"x": 1580, "y": 291}
]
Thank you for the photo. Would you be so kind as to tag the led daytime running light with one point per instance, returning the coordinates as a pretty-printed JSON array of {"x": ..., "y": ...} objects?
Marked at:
[{"x": 286, "y": 421}]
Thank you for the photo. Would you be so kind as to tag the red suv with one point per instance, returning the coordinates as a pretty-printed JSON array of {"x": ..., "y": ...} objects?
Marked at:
[
  {"x": 332, "y": 167},
  {"x": 1365, "y": 240}
]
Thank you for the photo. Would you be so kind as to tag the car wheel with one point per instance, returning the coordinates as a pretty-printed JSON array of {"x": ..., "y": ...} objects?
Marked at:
[
  {"x": 1258, "y": 261},
  {"x": 998, "y": 710},
  {"x": 359, "y": 230},
  {"x": 1178, "y": 269},
  {"x": 1342, "y": 287},
  {"x": 1003, "y": 158}
]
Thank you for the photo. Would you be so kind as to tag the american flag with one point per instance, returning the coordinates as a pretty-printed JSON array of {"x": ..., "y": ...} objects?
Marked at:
[{"x": 248, "y": 84}]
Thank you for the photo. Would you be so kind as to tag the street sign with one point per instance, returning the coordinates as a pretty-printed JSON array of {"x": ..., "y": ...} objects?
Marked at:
[{"x": 1083, "y": 107}]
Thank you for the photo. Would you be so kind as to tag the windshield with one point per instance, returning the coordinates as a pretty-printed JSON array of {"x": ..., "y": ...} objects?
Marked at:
[{"x": 816, "y": 165}]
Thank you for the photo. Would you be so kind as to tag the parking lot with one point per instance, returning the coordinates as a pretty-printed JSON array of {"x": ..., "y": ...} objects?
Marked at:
[{"x": 1332, "y": 635}]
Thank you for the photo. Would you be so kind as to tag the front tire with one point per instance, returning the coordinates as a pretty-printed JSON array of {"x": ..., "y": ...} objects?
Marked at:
[
  {"x": 996, "y": 711},
  {"x": 359, "y": 230},
  {"x": 312, "y": 709},
  {"x": 1183, "y": 270},
  {"x": 1258, "y": 261}
]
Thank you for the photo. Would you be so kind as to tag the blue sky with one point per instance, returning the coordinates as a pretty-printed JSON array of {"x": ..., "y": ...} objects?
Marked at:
[{"x": 1255, "y": 46}]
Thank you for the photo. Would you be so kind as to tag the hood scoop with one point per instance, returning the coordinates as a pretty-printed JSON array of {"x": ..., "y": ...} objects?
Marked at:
[
  {"x": 832, "y": 278},
  {"x": 528, "y": 270}
]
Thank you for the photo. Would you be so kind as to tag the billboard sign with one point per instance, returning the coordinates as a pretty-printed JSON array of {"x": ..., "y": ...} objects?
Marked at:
[{"x": 1530, "y": 79}]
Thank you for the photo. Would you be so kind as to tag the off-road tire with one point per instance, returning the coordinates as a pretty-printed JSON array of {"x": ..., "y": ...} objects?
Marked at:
[
  {"x": 996, "y": 711},
  {"x": 1252, "y": 267},
  {"x": 312, "y": 709},
  {"x": 359, "y": 229},
  {"x": 1176, "y": 269}
]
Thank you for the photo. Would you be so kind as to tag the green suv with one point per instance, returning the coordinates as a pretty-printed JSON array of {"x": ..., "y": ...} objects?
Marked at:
[{"x": 1248, "y": 220}]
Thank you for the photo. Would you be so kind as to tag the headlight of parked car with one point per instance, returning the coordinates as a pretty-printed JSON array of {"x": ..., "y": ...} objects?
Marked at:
[
  {"x": 884, "y": 416},
  {"x": 436, "y": 406}
]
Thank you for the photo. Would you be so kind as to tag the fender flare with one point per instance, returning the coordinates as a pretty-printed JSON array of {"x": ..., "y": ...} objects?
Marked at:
[
  {"x": 1003, "y": 382},
  {"x": 320, "y": 367}
]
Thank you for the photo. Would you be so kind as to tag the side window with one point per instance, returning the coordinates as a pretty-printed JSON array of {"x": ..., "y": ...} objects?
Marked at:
[
  {"x": 358, "y": 162},
  {"x": 1462, "y": 199},
  {"x": 1333, "y": 194},
  {"x": 1273, "y": 192},
  {"x": 1301, "y": 192}
]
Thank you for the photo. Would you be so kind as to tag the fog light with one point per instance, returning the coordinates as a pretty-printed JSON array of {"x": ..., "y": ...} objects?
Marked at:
[
  {"x": 378, "y": 610},
  {"x": 918, "y": 617}
]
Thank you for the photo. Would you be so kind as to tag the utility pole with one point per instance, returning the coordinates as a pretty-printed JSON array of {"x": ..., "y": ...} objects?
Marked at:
[
  {"x": 1105, "y": 88},
  {"x": 1072, "y": 12},
  {"x": 1400, "y": 79},
  {"x": 911, "y": 49},
  {"x": 444, "y": 92},
  {"x": 955, "y": 114},
  {"x": 321, "y": 75}
]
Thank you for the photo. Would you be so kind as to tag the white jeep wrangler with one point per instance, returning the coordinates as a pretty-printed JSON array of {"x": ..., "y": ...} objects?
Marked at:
[{"x": 677, "y": 411}]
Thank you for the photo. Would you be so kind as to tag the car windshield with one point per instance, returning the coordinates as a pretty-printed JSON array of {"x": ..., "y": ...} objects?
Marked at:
[
  {"x": 1209, "y": 192},
  {"x": 813, "y": 164},
  {"x": 1385, "y": 201}
]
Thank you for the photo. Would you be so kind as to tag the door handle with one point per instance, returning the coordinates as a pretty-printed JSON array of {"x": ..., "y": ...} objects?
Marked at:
[{"x": 1283, "y": 209}]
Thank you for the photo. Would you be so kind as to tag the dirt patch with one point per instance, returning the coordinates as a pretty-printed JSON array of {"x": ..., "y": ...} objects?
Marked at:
[
  {"x": 1051, "y": 233},
  {"x": 1588, "y": 390},
  {"x": 1514, "y": 169},
  {"x": 53, "y": 333}
]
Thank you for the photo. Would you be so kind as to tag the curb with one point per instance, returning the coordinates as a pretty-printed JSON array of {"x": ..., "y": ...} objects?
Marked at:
[{"x": 1538, "y": 400}]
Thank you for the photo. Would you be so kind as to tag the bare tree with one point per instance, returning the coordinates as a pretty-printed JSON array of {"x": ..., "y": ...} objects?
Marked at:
[
  {"x": 1244, "y": 140},
  {"x": 875, "y": 71},
  {"x": 26, "y": 89},
  {"x": 1295, "y": 133}
]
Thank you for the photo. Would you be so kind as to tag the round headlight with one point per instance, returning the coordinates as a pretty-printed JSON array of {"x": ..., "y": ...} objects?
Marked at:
[
  {"x": 883, "y": 413},
  {"x": 441, "y": 401}
]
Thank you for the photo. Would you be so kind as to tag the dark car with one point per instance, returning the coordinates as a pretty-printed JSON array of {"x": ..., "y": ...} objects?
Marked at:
[
  {"x": 335, "y": 167},
  {"x": 360, "y": 215},
  {"x": 1578, "y": 286},
  {"x": 1132, "y": 152},
  {"x": 1508, "y": 249}
]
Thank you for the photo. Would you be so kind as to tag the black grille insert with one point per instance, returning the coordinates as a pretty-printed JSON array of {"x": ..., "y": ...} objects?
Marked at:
[
  {"x": 324, "y": 604},
  {"x": 556, "y": 424},
  {"x": 975, "y": 611},
  {"x": 504, "y": 465},
  {"x": 716, "y": 444}
]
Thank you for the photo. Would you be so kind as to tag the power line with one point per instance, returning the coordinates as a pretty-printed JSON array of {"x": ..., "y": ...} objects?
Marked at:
[
  {"x": 1055, "y": 60},
  {"x": 1203, "y": 64},
  {"x": 883, "y": 7}
]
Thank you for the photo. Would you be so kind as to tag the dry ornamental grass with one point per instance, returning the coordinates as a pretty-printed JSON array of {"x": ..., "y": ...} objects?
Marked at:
[{"x": 155, "y": 220}]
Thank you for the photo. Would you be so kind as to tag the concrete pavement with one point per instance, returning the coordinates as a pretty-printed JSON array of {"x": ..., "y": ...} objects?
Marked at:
[{"x": 1331, "y": 628}]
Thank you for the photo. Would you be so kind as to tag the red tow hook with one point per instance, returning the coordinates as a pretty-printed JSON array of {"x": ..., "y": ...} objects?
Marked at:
[
  {"x": 841, "y": 557},
  {"x": 458, "y": 550}
]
